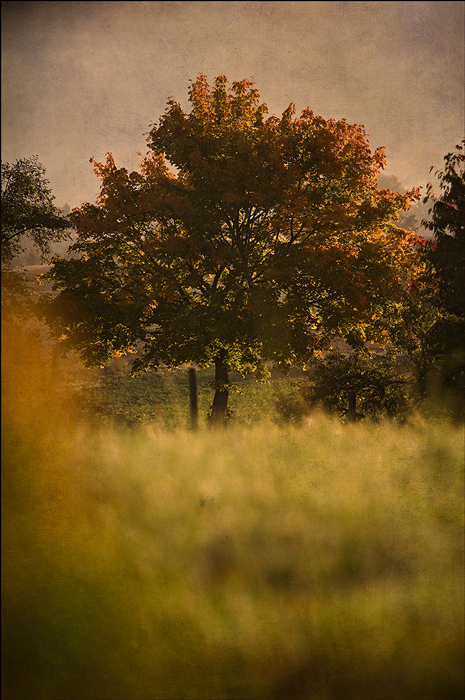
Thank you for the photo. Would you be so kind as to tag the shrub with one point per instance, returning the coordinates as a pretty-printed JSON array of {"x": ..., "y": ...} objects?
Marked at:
[{"x": 382, "y": 387}]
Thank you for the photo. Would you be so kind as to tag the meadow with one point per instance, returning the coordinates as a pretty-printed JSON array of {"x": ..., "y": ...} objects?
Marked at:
[{"x": 264, "y": 561}]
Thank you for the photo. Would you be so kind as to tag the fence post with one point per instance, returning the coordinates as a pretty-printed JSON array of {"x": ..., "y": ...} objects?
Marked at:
[
  {"x": 194, "y": 404},
  {"x": 352, "y": 408}
]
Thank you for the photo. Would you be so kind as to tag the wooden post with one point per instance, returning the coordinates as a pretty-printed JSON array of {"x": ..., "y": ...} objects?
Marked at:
[
  {"x": 194, "y": 404},
  {"x": 352, "y": 408}
]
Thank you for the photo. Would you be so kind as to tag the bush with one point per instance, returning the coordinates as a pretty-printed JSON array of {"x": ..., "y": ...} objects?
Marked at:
[{"x": 382, "y": 387}]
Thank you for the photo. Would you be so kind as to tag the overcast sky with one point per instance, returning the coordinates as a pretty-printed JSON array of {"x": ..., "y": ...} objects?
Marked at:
[{"x": 80, "y": 79}]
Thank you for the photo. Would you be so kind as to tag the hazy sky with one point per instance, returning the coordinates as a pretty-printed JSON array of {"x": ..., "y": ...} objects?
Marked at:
[{"x": 80, "y": 79}]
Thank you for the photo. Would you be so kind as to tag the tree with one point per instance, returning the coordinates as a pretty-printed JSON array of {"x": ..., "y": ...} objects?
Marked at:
[
  {"x": 446, "y": 258},
  {"x": 375, "y": 383},
  {"x": 447, "y": 255},
  {"x": 28, "y": 212},
  {"x": 352, "y": 385},
  {"x": 266, "y": 237},
  {"x": 28, "y": 209}
]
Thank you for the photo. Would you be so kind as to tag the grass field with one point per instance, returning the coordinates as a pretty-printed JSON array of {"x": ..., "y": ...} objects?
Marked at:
[
  {"x": 162, "y": 397},
  {"x": 314, "y": 562}
]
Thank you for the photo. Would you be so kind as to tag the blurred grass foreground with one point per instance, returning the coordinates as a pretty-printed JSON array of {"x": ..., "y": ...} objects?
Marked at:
[{"x": 282, "y": 563}]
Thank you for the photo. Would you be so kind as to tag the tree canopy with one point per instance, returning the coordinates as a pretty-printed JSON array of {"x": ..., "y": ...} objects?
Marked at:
[{"x": 243, "y": 239}]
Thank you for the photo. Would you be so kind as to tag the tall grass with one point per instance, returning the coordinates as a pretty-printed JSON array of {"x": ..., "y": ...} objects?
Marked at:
[{"x": 277, "y": 563}]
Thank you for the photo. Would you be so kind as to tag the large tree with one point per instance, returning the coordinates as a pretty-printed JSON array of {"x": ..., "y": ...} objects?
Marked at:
[{"x": 263, "y": 238}]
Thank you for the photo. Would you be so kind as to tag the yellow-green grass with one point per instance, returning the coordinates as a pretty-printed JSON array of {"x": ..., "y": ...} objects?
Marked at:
[{"x": 283, "y": 563}]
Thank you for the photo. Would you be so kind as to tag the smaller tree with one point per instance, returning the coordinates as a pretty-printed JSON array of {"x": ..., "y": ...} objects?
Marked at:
[
  {"x": 374, "y": 383},
  {"x": 28, "y": 210}
]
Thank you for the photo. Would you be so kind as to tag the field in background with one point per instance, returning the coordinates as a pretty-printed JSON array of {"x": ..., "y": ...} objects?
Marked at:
[
  {"x": 112, "y": 396},
  {"x": 259, "y": 562}
]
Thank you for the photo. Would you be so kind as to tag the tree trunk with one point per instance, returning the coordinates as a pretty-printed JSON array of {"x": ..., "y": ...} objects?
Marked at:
[
  {"x": 194, "y": 404},
  {"x": 220, "y": 400}
]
